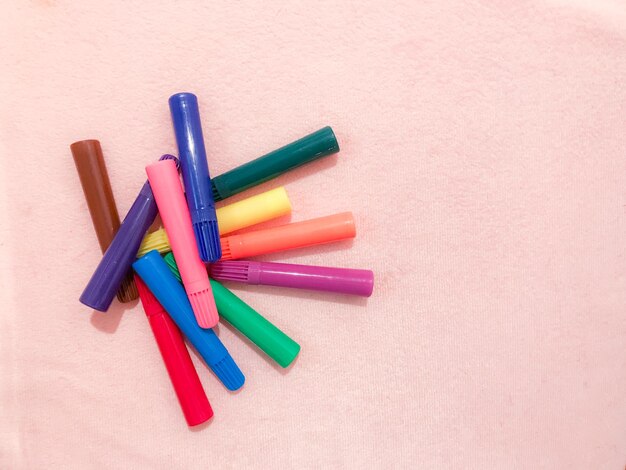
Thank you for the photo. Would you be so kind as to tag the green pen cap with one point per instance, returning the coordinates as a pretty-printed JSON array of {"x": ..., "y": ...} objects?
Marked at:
[
  {"x": 249, "y": 322},
  {"x": 304, "y": 150}
]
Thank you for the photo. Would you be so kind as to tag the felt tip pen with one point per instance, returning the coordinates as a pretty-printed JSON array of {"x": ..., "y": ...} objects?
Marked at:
[
  {"x": 341, "y": 280},
  {"x": 169, "y": 197},
  {"x": 156, "y": 274},
  {"x": 245, "y": 213},
  {"x": 189, "y": 391},
  {"x": 311, "y": 147},
  {"x": 117, "y": 259},
  {"x": 195, "y": 171},
  {"x": 268, "y": 337},
  {"x": 94, "y": 180},
  {"x": 289, "y": 236},
  {"x": 156, "y": 240}
]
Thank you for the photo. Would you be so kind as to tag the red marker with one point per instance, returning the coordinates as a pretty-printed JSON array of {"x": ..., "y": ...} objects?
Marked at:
[{"x": 191, "y": 396}]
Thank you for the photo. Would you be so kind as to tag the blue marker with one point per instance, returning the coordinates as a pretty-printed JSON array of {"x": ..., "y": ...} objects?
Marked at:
[
  {"x": 170, "y": 293},
  {"x": 195, "y": 171}
]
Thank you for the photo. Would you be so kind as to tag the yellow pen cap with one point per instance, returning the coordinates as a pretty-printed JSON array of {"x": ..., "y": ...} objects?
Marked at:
[
  {"x": 253, "y": 210},
  {"x": 156, "y": 240}
]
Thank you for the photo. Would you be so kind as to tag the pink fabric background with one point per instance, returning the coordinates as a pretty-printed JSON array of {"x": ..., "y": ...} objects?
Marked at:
[{"x": 484, "y": 157}]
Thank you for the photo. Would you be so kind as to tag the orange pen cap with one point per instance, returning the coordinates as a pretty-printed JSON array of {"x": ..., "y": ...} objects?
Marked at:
[{"x": 289, "y": 236}]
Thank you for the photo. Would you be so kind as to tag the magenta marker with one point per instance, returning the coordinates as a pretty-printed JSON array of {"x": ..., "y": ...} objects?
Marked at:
[{"x": 342, "y": 280}]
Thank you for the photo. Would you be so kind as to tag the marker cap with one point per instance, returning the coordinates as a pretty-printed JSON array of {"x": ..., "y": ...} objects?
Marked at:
[
  {"x": 195, "y": 171},
  {"x": 242, "y": 214},
  {"x": 299, "y": 276},
  {"x": 156, "y": 240},
  {"x": 253, "y": 210},
  {"x": 289, "y": 236},
  {"x": 271, "y": 340},
  {"x": 189, "y": 391},
  {"x": 94, "y": 179},
  {"x": 117, "y": 259},
  {"x": 169, "y": 197},
  {"x": 311, "y": 147},
  {"x": 156, "y": 274}
]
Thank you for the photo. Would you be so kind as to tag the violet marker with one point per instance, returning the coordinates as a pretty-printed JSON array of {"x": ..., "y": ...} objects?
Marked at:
[
  {"x": 195, "y": 171},
  {"x": 342, "y": 280},
  {"x": 122, "y": 251}
]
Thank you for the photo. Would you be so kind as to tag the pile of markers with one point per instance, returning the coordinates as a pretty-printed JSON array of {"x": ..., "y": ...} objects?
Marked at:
[{"x": 177, "y": 270}]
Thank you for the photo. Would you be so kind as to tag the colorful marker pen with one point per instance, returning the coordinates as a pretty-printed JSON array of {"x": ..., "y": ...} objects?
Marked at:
[
  {"x": 286, "y": 237},
  {"x": 195, "y": 171},
  {"x": 311, "y": 147},
  {"x": 253, "y": 210},
  {"x": 114, "y": 265},
  {"x": 169, "y": 197},
  {"x": 170, "y": 293},
  {"x": 94, "y": 179},
  {"x": 299, "y": 276},
  {"x": 156, "y": 240},
  {"x": 180, "y": 368},
  {"x": 245, "y": 213},
  {"x": 271, "y": 340}
]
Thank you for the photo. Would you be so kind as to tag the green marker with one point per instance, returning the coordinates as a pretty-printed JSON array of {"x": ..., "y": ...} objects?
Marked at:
[
  {"x": 249, "y": 322},
  {"x": 304, "y": 150}
]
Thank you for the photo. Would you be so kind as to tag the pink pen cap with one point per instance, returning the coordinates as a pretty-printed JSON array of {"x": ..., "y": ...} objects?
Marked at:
[{"x": 170, "y": 200}]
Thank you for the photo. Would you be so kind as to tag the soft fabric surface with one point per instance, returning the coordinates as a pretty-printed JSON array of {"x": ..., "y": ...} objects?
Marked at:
[{"x": 484, "y": 156}]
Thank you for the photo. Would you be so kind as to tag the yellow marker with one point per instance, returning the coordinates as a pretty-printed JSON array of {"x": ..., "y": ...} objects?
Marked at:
[
  {"x": 156, "y": 240},
  {"x": 251, "y": 211}
]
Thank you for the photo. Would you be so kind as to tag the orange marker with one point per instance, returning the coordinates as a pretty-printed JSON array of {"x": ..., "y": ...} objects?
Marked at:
[{"x": 289, "y": 236}]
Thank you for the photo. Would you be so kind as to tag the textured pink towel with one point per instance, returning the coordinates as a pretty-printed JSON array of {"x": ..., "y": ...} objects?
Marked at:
[{"x": 484, "y": 156}]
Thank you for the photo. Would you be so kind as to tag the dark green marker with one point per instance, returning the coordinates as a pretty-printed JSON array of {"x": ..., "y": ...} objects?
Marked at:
[{"x": 304, "y": 150}]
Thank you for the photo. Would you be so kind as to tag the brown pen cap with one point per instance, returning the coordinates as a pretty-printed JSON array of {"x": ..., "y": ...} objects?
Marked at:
[{"x": 97, "y": 188}]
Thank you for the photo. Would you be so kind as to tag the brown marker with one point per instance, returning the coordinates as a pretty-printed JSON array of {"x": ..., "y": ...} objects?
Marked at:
[{"x": 97, "y": 188}]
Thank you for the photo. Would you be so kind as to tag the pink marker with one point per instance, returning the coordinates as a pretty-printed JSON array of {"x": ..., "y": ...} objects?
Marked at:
[{"x": 170, "y": 200}]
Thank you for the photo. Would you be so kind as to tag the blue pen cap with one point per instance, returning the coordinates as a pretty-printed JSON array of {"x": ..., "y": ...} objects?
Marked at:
[
  {"x": 196, "y": 177},
  {"x": 171, "y": 295}
]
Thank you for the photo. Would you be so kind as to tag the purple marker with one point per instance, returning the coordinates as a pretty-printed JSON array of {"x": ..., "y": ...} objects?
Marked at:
[
  {"x": 342, "y": 280},
  {"x": 122, "y": 251}
]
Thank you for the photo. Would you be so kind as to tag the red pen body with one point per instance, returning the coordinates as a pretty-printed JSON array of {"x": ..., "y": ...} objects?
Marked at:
[{"x": 189, "y": 390}]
